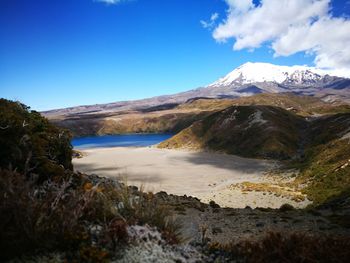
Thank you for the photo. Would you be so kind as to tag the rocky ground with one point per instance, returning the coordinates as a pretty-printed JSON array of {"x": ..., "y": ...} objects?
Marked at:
[{"x": 224, "y": 225}]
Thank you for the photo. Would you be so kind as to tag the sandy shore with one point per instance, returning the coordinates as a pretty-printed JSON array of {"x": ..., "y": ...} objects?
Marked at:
[{"x": 203, "y": 175}]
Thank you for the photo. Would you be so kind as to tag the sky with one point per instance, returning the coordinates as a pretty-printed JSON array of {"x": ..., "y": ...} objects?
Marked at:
[{"x": 61, "y": 53}]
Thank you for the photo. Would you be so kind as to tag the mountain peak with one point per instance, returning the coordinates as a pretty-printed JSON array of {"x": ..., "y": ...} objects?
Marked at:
[{"x": 250, "y": 72}]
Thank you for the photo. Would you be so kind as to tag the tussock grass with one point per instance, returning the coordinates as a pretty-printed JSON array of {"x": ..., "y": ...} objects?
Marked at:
[
  {"x": 63, "y": 216},
  {"x": 288, "y": 248}
]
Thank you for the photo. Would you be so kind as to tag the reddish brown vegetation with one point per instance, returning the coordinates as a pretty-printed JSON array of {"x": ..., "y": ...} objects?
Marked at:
[{"x": 290, "y": 248}]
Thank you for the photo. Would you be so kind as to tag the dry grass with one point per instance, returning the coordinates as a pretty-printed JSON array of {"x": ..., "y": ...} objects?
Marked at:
[
  {"x": 60, "y": 216},
  {"x": 278, "y": 190},
  {"x": 289, "y": 248}
]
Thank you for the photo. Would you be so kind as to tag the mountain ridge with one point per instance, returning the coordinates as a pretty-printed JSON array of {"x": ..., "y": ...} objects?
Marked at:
[
  {"x": 246, "y": 80},
  {"x": 265, "y": 72}
]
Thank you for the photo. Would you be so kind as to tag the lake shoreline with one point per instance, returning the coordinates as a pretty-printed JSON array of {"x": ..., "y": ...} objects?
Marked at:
[{"x": 119, "y": 140}]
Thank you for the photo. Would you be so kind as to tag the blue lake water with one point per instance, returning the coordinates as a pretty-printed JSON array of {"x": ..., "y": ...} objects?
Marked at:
[{"x": 125, "y": 140}]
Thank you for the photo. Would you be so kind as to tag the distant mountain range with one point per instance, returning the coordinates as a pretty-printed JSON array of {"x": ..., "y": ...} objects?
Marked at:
[
  {"x": 246, "y": 80},
  {"x": 254, "y": 78}
]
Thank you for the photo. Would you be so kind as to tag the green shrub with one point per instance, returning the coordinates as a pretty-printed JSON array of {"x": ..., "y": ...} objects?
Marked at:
[{"x": 30, "y": 144}]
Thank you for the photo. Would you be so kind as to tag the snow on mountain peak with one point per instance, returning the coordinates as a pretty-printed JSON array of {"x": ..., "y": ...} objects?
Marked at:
[{"x": 264, "y": 72}]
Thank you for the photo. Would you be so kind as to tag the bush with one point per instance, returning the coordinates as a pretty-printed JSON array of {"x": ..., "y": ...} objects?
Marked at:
[
  {"x": 45, "y": 218},
  {"x": 30, "y": 144}
]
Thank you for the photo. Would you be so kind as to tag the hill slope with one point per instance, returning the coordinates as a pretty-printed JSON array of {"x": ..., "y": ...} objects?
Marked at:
[
  {"x": 252, "y": 131},
  {"x": 326, "y": 166}
]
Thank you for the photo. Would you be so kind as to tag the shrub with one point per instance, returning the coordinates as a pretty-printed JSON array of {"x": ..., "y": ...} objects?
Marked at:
[
  {"x": 59, "y": 216},
  {"x": 34, "y": 219},
  {"x": 30, "y": 144}
]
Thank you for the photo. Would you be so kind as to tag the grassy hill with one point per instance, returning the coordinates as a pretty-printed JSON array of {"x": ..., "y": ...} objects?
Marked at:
[
  {"x": 250, "y": 131},
  {"x": 326, "y": 166}
]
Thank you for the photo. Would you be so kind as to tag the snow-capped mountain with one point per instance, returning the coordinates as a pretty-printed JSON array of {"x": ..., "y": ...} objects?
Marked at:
[
  {"x": 252, "y": 78},
  {"x": 250, "y": 73}
]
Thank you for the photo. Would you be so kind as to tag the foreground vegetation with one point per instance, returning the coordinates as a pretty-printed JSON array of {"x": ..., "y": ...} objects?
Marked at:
[{"x": 289, "y": 248}]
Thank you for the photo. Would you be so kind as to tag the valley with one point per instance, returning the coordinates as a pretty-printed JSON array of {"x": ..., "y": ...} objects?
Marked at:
[{"x": 137, "y": 131}]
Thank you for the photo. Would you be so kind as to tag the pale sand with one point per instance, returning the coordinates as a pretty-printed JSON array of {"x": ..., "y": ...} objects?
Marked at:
[{"x": 203, "y": 175}]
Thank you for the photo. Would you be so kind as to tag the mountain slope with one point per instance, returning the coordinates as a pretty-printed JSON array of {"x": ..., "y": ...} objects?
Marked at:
[
  {"x": 254, "y": 78},
  {"x": 249, "y": 73},
  {"x": 251, "y": 131},
  {"x": 326, "y": 166}
]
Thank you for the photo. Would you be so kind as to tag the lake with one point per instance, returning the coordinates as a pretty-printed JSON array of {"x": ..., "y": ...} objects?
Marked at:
[{"x": 124, "y": 140}]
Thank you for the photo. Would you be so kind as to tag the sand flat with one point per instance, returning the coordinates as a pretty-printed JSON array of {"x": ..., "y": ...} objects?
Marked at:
[{"x": 200, "y": 174}]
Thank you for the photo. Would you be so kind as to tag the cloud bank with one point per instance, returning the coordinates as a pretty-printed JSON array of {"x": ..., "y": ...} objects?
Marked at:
[{"x": 289, "y": 26}]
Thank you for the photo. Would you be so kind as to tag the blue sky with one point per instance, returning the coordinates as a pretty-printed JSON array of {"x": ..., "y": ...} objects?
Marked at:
[{"x": 60, "y": 53}]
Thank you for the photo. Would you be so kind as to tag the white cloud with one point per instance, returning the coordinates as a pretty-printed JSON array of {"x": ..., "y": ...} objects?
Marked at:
[
  {"x": 290, "y": 26},
  {"x": 211, "y": 23},
  {"x": 214, "y": 17},
  {"x": 110, "y": 2}
]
